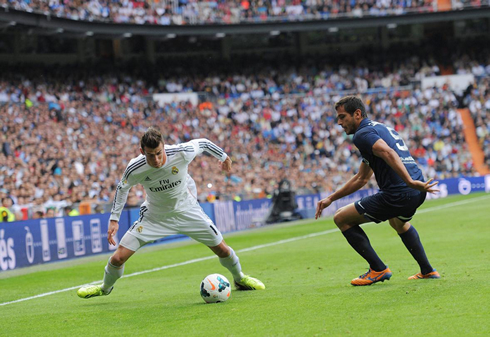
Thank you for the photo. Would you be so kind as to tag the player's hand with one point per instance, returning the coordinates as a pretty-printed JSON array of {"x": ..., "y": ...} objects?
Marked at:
[
  {"x": 427, "y": 186},
  {"x": 113, "y": 227},
  {"x": 225, "y": 165},
  {"x": 321, "y": 205}
]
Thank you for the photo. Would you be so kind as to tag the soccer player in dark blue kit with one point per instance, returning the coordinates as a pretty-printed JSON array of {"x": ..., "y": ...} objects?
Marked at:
[{"x": 402, "y": 191}]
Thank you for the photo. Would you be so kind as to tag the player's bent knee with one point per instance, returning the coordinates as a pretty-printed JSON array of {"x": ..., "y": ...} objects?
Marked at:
[
  {"x": 120, "y": 257},
  {"x": 117, "y": 260},
  {"x": 339, "y": 218}
]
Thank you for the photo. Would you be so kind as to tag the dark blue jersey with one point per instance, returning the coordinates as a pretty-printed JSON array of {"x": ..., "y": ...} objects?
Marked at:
[{"x": 368, "y": 133}]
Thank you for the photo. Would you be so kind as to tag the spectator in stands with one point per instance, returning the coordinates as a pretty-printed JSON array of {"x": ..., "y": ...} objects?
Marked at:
[
  {"x": 219, "y": 12},
  {"x": 6, "y": 214},
  {"x": 38, "y": 215},
  {"x": 50, "y": 213},
  {"x": 275, "y": 124},
  {"x": 71, "y": 211}
]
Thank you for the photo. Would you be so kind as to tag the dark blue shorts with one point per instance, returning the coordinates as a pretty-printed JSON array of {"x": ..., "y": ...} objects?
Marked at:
[{"x": 381, "y": 206}]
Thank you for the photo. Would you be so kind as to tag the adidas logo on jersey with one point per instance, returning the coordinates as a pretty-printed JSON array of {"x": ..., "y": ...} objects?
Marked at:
[{"x": 147, "y": 179}]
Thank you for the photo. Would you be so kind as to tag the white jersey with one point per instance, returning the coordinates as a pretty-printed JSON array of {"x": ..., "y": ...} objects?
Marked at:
[{"x": 166, "y": 186}]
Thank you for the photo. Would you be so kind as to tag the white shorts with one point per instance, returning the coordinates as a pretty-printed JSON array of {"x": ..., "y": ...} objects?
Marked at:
[{"x": 150, "y": 227}]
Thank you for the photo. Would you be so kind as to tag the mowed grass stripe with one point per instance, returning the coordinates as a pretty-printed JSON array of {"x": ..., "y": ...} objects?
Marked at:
[{"x": 275, "y": 243}]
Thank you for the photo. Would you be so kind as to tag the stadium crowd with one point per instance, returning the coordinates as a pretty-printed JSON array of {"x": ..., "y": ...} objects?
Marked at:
[
  {"x": 68, "y": 140},
  {"x": 479, "y": 105},
  {"x": 185, "y": 12}
]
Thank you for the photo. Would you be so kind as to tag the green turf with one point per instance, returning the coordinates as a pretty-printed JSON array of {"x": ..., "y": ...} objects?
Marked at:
[{"x": 308, "y": 291}]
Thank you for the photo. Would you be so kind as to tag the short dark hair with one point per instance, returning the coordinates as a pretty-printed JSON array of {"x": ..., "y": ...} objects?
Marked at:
[
  {"x": 151, "y": 139},
  {"x": 351, "y": 104}
]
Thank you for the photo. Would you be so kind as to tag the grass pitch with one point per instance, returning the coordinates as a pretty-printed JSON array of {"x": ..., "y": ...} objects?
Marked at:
[{"x": 306, "y": 266}]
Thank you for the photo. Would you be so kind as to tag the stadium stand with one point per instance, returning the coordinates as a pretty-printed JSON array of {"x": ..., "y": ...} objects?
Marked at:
[
  {"x": 66, "y": 140},
  {"x": 68, "y": 131},
  {"x": 191, "y": 12}
]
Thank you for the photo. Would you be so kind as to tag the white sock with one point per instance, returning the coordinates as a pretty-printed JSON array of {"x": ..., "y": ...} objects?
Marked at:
[
  {"x": 111, "y": 275},
  {"x": 232, "y": 263}
]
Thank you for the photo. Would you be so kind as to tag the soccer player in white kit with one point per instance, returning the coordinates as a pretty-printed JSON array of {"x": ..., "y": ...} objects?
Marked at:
[{"x": 170, "y": 208}]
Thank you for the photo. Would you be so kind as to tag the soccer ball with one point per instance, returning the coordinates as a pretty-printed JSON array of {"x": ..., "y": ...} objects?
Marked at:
[{"x": 215, "y": 288}]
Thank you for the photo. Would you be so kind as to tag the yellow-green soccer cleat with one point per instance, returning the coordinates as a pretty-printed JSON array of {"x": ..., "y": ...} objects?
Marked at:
[
  {"x": 92, "y": 291},
  {"x": 249, "y": 283}
]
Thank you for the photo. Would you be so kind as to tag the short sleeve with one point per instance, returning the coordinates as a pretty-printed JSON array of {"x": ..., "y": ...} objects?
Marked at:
[{"x": 365, "y": 140}]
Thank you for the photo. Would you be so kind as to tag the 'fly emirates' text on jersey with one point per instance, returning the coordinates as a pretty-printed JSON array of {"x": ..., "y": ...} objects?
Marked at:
[
  {"x": 166, "y": 186},
  {"x": 368, "y": 133}
]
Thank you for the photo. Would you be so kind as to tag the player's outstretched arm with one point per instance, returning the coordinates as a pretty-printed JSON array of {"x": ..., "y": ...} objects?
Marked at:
[
  {"x": 356, "y": 182},
  {"x": 382, "y": 150},
  {"x": 113, "y": 227},
  {"x": 122, "y": 189}
]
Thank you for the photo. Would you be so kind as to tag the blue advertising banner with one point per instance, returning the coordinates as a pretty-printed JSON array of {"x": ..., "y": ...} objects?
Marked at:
[
  {"x": 250, "y": 213},
  {"x": 134, "y": 214},
  {"x": 307, "y": 204},
  {"x": 208, "y": 209},
  {"x": 31, "y": 242},
  {"x": 462, "y": 185},
  {"x": 232, "y": 216}
]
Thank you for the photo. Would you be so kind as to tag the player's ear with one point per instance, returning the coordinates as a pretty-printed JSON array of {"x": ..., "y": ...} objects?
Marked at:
[
  {"x": 358, "y": 113},
  {"x": 142, "y": 151}
]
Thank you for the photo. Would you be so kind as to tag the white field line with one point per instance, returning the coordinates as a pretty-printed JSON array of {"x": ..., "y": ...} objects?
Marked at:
[
  {"x": 426, "y": 210},
  {"x": 452, "y": 204}
]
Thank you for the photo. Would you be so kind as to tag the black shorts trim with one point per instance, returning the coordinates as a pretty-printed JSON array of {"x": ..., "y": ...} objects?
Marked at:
[{"x": 381, "y": 206}]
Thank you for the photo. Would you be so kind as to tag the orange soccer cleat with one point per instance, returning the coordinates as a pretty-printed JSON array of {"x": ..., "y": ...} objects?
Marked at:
[
  {"x": 371, "y": 277},
  {"x": 432, "y": 274}
]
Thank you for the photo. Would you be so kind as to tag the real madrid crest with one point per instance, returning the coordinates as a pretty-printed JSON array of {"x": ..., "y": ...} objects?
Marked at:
[
  {"x": 175, "y": 170},
  {"x": 139, "y": 229}
]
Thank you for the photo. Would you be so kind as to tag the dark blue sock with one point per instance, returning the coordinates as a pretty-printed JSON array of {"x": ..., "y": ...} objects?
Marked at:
[
  {"x": 411, "y": 240},
  {"x": 360, "y": 242}
]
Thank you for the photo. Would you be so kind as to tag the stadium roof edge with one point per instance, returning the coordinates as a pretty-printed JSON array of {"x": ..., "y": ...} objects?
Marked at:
[{"x": 72, "y": 26}]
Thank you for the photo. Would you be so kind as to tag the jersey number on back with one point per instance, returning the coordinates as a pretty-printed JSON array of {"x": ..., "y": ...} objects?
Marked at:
[{"x": 400, "y": 144}]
